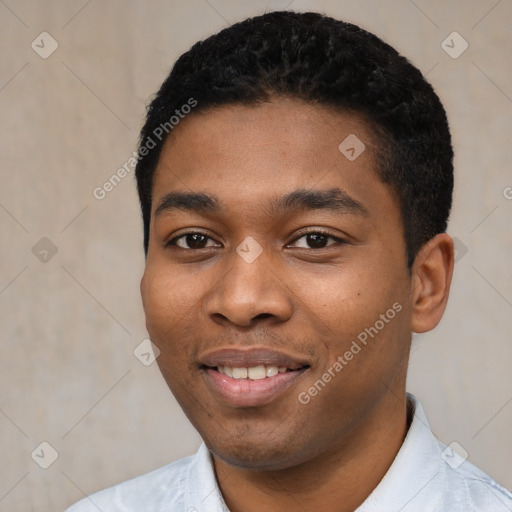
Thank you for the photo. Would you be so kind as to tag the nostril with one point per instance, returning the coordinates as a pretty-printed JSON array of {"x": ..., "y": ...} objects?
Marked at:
[{"x": 263, "y": 316}]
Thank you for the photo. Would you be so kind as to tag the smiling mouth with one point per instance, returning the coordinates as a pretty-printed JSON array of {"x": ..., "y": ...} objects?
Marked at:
[
  {"x": 251, "y": 377},
  {"x": 250, "y": 386},
  {"x": 255, "y": 372}
]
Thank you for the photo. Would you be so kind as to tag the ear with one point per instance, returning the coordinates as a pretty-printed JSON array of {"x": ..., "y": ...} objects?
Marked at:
[{"x": 430, "y": 284}]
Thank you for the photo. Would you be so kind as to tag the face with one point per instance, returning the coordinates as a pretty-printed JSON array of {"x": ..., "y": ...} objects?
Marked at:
[{"x": 276, "y": 284}]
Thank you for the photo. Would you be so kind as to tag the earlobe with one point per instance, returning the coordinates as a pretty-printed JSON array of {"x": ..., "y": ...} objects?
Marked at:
[{"x": 430, "y": 285}]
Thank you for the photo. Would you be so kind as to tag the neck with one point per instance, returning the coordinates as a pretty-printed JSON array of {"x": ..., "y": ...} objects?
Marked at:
[{"x": 339, "y": 479}]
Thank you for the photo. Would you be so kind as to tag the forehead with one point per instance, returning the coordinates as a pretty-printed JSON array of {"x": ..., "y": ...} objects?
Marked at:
[{"x": 245, "y": 154}]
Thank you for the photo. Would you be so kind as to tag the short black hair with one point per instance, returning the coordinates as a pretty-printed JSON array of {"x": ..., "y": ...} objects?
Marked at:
[{"x": 328, "y": 62}]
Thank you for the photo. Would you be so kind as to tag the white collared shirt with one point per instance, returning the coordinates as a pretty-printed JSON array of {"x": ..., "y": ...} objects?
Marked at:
[{"x": 426, "y": 476}]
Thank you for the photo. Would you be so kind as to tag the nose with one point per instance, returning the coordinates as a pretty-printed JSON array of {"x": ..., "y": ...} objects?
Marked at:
[{"x": 247, "y": 293}]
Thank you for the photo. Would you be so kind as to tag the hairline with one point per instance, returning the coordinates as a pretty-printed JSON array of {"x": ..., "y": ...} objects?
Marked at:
[{"x": 378, "y": 144}]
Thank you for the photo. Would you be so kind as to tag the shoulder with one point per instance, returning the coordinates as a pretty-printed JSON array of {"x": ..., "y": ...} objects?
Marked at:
[
  {"x": 160, "y": 488},
  {"x": 478, "y": 491},
  {"x": 454, "y": 482},
  {"x": 429, "y": 476}
]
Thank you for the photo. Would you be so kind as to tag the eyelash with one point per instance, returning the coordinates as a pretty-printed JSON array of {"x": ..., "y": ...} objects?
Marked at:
[
  {"x": 323, "y": 232},
  {"x": 302, "y": 235}
]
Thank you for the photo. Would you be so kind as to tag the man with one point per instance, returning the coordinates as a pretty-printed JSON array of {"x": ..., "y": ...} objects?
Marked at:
[{"x": 295, "y": 179}]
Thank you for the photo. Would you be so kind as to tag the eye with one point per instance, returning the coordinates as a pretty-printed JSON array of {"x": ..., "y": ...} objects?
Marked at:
[
  {"x": 315, "y": 240},
  {"x": 193, "y": 240}
]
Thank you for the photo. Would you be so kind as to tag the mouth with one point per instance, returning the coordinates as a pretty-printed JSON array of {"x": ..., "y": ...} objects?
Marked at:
[
  {"x": 250, "y": 378},
  {"x": 255, "y": 372}
]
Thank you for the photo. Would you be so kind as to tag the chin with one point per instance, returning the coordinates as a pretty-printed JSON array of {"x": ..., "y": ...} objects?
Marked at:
[
  {"x": 258, "y": 453},
  {"x": 257, "y": 460}
]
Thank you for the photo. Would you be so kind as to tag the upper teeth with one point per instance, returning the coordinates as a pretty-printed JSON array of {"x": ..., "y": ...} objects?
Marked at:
[{"x": 253, "y": 373}]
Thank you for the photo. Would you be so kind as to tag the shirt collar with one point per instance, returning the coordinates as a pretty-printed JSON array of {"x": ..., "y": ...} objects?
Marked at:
[
  {"x": 419, "y": 453},
  {"x": 414, "y": 467},
  {"x": 202, "y": 493}
]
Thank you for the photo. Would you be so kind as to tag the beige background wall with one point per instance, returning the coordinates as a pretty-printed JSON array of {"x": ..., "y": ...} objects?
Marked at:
[{"x": 69, "y": 325}]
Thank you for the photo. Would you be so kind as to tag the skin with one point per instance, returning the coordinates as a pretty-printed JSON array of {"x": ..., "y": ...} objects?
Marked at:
[{"x": 312, "y": 302}]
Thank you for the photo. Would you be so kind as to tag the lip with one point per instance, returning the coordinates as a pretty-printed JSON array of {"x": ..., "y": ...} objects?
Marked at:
[
  {"x": 246, "y": 357},
  {"x": 247, "y": 392}
]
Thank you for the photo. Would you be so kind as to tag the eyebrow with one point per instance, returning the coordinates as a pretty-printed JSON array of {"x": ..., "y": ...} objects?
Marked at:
[
  {"x": 333, "y": 199},
  {"x": 300, "y": 200},
  {"x": 188, "y": 201}
]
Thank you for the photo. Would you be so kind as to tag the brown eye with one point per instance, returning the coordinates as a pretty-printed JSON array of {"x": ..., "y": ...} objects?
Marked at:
[
  {"x": 196, "y": 241},
  {"x": 316, "y": 240},
  {"x": 193, "y": 241}
]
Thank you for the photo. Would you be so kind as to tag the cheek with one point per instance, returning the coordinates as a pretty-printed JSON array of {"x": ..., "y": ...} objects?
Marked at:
[
  {"x": 167, "y": 300},
  {"x": 358, "y": 303},
  {"x": 168, "y": 305},
  {"x": 344, "y": 299}
]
